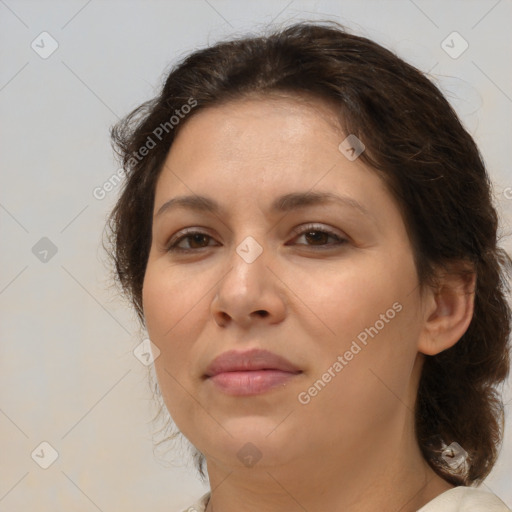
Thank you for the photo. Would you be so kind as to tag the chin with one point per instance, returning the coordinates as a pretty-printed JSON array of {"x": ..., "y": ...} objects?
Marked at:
[{"x": 258, "y": 437}]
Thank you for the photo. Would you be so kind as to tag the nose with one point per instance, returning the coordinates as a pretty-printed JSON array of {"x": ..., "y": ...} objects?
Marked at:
[{"x": 249, "y": 293}]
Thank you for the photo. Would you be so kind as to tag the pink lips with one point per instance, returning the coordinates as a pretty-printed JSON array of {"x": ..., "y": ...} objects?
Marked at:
[{"x": 251, "y": 372}]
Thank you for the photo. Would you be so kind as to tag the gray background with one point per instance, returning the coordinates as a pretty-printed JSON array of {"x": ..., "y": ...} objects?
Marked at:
[{"x": 67, "y": 372}]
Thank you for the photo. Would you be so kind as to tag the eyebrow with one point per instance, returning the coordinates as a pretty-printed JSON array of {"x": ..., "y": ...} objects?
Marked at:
[{"x": 284, "y": 203}]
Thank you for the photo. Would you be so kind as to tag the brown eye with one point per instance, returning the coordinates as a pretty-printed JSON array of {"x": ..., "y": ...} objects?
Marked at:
[
  {"x": 196, "y": 240},
  {"x": 317, "y": 236}
]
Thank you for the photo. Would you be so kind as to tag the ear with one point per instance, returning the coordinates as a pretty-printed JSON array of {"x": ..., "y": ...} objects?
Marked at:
[{"x": 447, "y": 311}]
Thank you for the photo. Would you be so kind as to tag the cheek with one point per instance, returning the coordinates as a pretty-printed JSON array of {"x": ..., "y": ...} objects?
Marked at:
[
  {"x": 171, "y": 310},
  {"x": 372, "y": 316},
  {"x": 371, "y": 382},
  {"x": 168, "y": 298},
  {"x": 168, "y": 309},
  {"x": 359, "y": 296}
]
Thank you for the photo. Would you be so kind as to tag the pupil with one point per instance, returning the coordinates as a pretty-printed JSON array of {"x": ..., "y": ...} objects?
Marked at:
[
  {"x": 197, "y": 238},
  {"x": 318, "y": 237}
]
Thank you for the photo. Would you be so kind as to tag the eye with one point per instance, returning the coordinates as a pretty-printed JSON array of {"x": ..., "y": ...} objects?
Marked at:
[
  {"x": 195, "y": 239},
  {"x": 315, "y": 234},
  {"x": 318, "y": 236}
]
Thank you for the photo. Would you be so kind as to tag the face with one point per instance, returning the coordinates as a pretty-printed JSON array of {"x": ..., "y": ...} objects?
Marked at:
[{"x": 329, "y": 284}]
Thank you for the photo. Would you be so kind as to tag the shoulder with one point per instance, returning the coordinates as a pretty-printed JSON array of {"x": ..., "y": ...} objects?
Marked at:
[
  {"x": 199, "y": 505},
  {"x": 466, "y": 499}
]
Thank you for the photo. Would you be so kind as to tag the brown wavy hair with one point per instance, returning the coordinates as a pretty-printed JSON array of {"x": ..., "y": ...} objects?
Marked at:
[{"x": 415, "y": 142}]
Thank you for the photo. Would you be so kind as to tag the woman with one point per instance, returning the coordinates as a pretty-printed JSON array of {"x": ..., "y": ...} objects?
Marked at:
[{"x": 307, "y": 233}]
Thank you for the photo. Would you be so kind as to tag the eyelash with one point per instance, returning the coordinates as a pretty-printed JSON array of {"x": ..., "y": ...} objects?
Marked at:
[{"x": 173, "y": 244}]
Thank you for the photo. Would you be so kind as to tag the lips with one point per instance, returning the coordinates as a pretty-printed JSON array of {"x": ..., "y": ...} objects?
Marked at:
[
  {"x": 250, "y": 373},
  {"x": 251, "y": 360}
]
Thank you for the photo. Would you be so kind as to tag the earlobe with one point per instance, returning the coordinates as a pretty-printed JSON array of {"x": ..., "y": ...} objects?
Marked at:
[{"x": 448, "y": 314}]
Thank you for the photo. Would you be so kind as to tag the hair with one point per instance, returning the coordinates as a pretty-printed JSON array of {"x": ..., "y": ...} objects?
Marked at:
[{"x": 430, "y": 164}]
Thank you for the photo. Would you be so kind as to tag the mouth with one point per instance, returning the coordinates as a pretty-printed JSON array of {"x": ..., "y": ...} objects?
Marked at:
[
  {"x": 250, "y": 373},
  {"x": 251, "y": 382}
]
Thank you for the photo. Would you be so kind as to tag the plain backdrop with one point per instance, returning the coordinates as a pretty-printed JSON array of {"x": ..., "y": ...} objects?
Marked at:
[{"x": 68, "y": 375}]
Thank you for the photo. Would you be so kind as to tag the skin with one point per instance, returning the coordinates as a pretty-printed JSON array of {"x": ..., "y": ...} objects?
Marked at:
[{"x": 352, "y": 447}]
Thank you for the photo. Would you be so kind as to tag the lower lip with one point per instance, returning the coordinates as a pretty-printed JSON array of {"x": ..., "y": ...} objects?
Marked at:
[{"x": 251, "y": 382}]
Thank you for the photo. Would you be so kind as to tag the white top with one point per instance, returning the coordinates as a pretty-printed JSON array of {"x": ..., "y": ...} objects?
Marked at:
[
  {"x": 458, "y": 499},
  {"x": 465, "y": 499}
]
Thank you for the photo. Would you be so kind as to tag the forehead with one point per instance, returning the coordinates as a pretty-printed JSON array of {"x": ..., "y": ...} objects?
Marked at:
[
  {"x": 255, "y": 149},
  {"x": 255, "y": 124},
  {"x": 252, "y": 141}
]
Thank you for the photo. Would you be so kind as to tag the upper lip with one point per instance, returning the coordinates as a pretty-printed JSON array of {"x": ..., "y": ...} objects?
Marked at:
[{"x": 255, "y": 359}]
